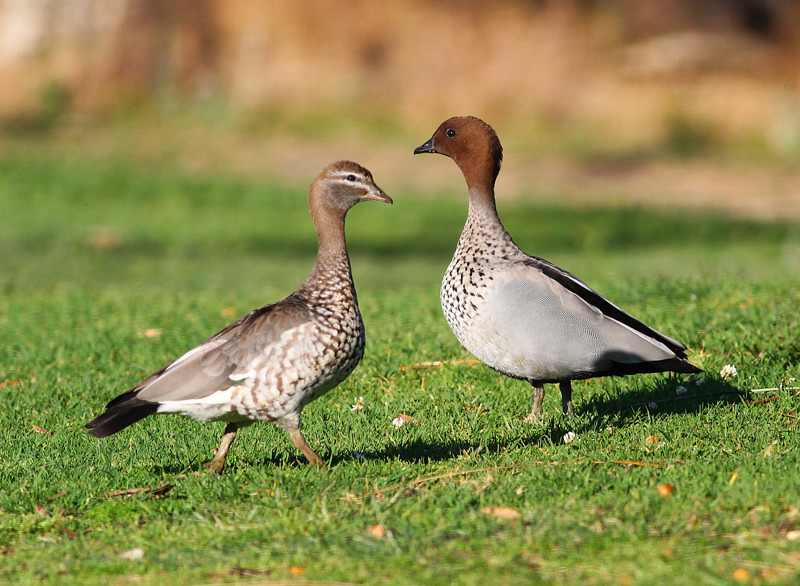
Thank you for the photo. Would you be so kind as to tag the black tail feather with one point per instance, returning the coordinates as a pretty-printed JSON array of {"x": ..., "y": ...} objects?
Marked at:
[
  {"x": 670, "y": 364},
  {"x": 119, "y": 414}
]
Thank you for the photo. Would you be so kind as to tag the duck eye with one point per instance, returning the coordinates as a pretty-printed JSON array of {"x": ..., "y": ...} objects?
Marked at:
[
  {"x": 351, "y": 177},
  {"x": 450, "y": 132}
]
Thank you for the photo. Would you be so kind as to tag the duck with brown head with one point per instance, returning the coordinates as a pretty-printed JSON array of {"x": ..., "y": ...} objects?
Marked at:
[
  {"x": 521, "y": 315},
  {"x": 275, "y": 360}
]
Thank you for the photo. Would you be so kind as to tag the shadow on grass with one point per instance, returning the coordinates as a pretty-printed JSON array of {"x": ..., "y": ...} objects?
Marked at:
[
  {"x": 662, "y": 400},
  {"x": 432, "y": 451},
  {"x": 625, "y": 409}
]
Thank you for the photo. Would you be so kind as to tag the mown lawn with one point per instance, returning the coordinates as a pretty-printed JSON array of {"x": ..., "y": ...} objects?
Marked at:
[{"x": 108, "y": 271}]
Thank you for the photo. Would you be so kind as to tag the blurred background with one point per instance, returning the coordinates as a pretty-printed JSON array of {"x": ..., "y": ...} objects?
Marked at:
[{"x": 667, "y": 102}]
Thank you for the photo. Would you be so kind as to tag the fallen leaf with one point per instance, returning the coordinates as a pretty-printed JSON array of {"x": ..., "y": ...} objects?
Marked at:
[
  {"x": 10, "y": 383},
  {"x": 41, "y": 510},
  {"x": 768, "y": 451},
  {"x": 734, "y": 476},
  {"x": 151, "y": 333},
  {"x": 38, "y": 429},
  {"x": 651, "y": 439},
  {"x": 297, "y": 570},
  {"x": 228, "y": 312},
  {"x": 501, "y": 512},
  {"x": 665, "y": 490},
  {"x": 377, "y": 530},
  {"x": 741, "y": 575}
]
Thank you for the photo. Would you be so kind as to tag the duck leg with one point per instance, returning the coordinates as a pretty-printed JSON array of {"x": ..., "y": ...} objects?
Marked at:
[
  {"x": 537, "y": 396},
  {"x": 217, "y": 463},
  {"x": 300, "y": 443},
  {"x": 566, "y": 397}
]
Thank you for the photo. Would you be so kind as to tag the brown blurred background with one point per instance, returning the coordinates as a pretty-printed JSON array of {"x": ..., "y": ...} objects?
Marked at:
[{"x": 670, "y": 101}]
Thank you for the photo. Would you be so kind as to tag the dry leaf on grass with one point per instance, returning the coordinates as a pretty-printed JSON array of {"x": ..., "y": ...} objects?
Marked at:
[
  {"x": 297, "y": 570},
  {"x": 38, "y": 429},
  {"x": 651, "y": 439},
  {"x": 377, "y": 530},
  {"x": 741, "y": 575},
  {"x": 665, "y": 490},
  {"x": 501, "y": 512},
  {"x": 10, "y": 383},
  {"x": 151, "y": 333},
  {"x": 402, "y": 419}
]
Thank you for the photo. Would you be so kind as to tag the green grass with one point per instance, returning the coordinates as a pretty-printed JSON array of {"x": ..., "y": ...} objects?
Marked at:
[{"x": 188, "y": 254}]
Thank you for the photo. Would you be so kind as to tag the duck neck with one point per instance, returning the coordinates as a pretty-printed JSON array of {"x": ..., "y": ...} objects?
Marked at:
[
  {"x": 332, "y": 265},
  {"x": 482, "y": 218}
]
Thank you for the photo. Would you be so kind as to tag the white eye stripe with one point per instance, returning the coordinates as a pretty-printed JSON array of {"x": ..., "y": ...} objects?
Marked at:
[
  {"x": 343, "y": 180},
  {"x": 345, "y": 174}
]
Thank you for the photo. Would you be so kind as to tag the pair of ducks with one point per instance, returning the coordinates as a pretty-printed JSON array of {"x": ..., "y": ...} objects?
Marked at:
[{"x": 521, "y": 315}]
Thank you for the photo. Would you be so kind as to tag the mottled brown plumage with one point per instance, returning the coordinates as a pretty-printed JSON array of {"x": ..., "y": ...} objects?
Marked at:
[
  {"x": 521, "y": 315},
  {"x": 273, "y": 361}
]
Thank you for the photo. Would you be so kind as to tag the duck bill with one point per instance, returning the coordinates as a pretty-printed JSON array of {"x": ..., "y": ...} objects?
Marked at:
[
  {"x": 379, "y": 195},
  {"x": 425, "y": 148}
]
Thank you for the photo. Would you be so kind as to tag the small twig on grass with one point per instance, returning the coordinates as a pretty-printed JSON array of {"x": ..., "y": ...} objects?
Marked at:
[
  {"x": 438, "y": 363},
  {"x": 58, "y": 495},
  {"x": 154, "y": 492},
  {"x": 423, "y": 479},
  {"x": 765, "y": 390},
  {"x": 628, "y": 463}
]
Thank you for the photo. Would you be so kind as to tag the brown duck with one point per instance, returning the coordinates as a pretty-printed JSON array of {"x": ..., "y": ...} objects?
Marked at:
[{"x": 275, "y": 360}]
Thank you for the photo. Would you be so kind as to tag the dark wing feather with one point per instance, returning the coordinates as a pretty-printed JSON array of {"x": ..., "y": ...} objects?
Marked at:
[{"x": 582, "y": 290}]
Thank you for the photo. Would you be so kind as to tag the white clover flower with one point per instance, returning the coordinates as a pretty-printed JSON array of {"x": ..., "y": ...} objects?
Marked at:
[
  {"x": 681, "y": 390},
  {"x": 569, "y": 436},
  {"x": 728, "y": 372},
  {"x": 358, "y": 405},
  {"x": 398, "y": 422}
]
